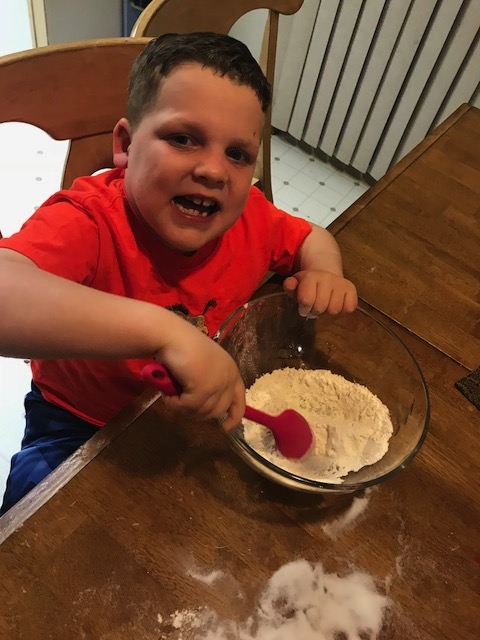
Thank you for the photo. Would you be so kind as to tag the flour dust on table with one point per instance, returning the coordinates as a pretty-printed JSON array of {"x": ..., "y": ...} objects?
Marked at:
[
  {"x": 347, "y": 520},
  {"x": 301, "y": 600}
]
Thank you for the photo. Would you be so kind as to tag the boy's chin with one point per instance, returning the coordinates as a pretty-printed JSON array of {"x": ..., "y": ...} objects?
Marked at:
[{"x": 187, "y": 248}]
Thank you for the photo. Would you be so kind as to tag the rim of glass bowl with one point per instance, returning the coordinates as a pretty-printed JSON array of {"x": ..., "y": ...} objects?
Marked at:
[{"x": 318, "y": 484}]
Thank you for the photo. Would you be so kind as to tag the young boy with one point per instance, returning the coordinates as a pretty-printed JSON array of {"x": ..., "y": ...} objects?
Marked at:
[{"x": 97, "y": 281}]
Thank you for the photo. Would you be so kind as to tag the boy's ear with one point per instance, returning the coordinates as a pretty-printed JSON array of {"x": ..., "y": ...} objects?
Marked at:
[{"x": 122, "y": 137}]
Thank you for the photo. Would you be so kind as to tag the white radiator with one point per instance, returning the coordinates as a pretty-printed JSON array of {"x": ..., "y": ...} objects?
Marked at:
[{"x": 363, "y": 81}]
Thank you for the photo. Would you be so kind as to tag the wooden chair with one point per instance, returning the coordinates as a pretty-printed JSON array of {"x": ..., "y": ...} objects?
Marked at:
[
  {"x": 185, "y": 16},
  {"x": 76, "y": 92}
]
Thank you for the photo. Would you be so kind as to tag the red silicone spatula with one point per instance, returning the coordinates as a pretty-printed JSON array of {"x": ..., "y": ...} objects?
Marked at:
[{"x": 292, "y": 433}]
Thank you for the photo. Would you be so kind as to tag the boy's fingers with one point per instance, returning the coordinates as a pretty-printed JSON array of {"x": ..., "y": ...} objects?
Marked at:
[
  {"x": 187, "y": 402},
  {"x": 172, "y": 402},
  {"x": 227, "y": 405},
  {"x": 337, "y": 302},
  {"x": 351, "y": 301},
  {"x": 235, "y": 413},
  {"x": 306, "y": 297},
  {"x": 231, "y": 421},
  {"x": 290, "y": 285},
  {"x": 321, "y": 301},
  {"x": 324, "y": 296}
]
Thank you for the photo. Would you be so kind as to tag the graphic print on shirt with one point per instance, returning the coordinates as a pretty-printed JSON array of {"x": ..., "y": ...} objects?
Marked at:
[{"x": 197, "y": 321}]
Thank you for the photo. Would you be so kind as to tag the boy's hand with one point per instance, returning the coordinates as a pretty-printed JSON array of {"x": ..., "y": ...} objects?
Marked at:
[
  {"x": 318, "y": 292},
  {"x": 211, "y": 383}
]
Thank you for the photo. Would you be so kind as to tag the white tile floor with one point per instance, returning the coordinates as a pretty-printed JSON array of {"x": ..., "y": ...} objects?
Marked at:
[
  {"x": 30, "y": 170},
  {"x": 307, "y": 187}
]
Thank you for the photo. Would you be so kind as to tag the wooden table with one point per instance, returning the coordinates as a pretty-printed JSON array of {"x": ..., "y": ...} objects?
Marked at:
[
  {"x": 117, "y": 536},
  {"x": 412, "y": 242}
]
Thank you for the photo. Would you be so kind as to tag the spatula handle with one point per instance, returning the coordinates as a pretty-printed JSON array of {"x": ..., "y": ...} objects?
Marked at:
[
  {"x": 258, "y": 416},
  {"x": 158, "y": 376}
]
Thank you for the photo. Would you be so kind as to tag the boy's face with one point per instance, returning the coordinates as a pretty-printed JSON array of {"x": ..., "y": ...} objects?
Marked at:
[{"x": 190, "y": 161}]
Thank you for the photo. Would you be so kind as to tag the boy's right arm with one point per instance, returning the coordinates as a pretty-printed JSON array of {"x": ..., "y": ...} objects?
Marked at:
[{"x": 45, "y": 316}]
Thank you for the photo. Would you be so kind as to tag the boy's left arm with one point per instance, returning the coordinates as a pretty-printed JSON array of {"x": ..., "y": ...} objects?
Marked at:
[{"x": 318, "y": 283}]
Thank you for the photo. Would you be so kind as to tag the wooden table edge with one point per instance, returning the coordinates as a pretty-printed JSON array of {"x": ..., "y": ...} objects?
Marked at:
[{"x": 15, "y": 517}]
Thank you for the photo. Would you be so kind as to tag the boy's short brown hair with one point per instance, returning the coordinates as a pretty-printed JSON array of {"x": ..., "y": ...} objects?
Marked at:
[{"x": 223, "y": 54}]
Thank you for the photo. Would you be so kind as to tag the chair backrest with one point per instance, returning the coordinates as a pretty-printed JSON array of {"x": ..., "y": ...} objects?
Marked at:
[
  {"x": 185, "y": 16},
  {"x": 76, "y": 92}
]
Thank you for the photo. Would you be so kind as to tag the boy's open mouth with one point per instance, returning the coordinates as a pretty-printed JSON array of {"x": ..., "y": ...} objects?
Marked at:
[{"x": 196, "y": 206}]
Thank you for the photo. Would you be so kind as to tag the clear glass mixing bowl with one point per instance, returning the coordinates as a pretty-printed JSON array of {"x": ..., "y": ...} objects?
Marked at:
[{"x": 268, "y": 333}]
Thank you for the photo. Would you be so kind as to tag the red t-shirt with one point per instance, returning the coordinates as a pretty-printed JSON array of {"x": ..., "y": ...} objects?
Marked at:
[{"x": 90, "y": 235}]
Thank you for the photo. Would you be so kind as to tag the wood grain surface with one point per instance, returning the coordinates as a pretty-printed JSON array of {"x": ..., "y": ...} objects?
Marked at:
[{"x": 413, "y": 245}]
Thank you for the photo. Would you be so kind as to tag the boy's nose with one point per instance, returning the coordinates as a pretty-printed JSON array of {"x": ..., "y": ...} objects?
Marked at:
[{"x": 211, "y": 168}]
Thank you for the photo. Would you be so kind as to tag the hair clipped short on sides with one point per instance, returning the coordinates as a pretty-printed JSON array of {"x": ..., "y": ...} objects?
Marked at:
[{"x": 223, "y": 54}]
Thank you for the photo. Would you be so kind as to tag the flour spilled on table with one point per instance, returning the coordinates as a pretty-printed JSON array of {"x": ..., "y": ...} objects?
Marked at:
[
  {"x": 207, "y": 578},
  {"x": 347, "y": 520},
  {"x": 351, "y": 426},
  {"x": 301, "y": 601}
]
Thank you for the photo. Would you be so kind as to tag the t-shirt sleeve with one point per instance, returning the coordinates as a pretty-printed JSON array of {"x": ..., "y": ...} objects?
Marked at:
[
  {"x": 59, "y": 238},
  {"x": 285, "y": 232}
]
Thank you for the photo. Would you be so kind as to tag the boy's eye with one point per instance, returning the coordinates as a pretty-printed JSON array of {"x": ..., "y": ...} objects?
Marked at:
[
  {"x": 181, "y": 140},
  {"x": 238, "y": 155}
]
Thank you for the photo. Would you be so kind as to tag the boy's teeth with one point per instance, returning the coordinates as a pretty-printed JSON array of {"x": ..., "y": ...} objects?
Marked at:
[
  {"x": 195, "y": 206},
  {"x": 206, "y": 203},
  {"x": 191, "y": 212}
]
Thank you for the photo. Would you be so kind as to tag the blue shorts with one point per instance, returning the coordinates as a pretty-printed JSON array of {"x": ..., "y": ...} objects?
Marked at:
[{"x": 51, "y": 435}]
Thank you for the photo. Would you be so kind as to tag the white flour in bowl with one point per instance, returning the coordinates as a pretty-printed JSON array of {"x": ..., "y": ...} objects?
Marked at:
[{"x": 351, "y": 426}]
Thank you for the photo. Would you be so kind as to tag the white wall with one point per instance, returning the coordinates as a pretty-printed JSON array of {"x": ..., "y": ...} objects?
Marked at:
[
  {"x": 70, "y": 20},
  {"x": 15, "y": 33},
  {"x": 249, "y": 30}
]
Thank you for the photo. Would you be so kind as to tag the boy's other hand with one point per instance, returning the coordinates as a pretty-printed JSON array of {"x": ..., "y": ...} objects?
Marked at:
[
  {"x": 320, "y": 292},
  {"x": 211, "y": 383}
]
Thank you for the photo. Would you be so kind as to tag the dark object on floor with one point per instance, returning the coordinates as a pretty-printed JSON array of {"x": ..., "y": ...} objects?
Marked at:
[{"x": 470, "y": 387}]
